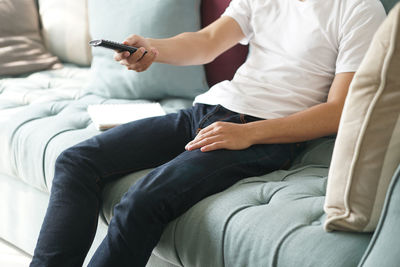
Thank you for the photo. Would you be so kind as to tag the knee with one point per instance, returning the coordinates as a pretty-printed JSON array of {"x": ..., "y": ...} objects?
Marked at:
[
  {"x": 81, "y": 155},
  {"x": 65, "y": 167},
  {"x": 65, "y": 158},
  {"x": 74, "y": 165},
  {"x": 146, "y": 204},
  {"x": 69, "y": 159}
]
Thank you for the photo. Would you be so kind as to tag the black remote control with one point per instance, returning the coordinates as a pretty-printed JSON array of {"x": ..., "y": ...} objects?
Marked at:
[{"x": 114, "y": 45}]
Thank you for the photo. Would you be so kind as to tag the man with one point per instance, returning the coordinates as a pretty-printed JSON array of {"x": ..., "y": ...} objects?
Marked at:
[{"x": 303, "y": 55}]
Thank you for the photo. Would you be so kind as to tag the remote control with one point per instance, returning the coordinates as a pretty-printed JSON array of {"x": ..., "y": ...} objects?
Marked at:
[{"x": 113, "y": 45}]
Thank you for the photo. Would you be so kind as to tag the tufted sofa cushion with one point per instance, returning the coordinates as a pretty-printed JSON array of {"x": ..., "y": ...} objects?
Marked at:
[
  {"x": 42, "y": 115},
  {"x": 272, "y": 220}
]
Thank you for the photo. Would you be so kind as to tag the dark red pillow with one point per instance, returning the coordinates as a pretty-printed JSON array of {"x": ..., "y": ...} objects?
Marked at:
[{"x": 225, "y": 66}]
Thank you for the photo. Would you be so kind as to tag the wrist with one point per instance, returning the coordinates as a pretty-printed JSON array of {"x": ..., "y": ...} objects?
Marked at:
[{"x": 257, "y": 132}]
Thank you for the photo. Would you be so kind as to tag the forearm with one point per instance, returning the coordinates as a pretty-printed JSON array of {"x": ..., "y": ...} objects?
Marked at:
[
  {"x": 317, "y": 121},
  {"x": 190, "y": 48},
  {"x": 314, "y": 122},
  {"x": 197, "y": 48}
]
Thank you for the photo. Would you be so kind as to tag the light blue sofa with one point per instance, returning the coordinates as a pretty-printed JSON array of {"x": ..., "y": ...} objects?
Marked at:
[{"x": 272, "y": 220}]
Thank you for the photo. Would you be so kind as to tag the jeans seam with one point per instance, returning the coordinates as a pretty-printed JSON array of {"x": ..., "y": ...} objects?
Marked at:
[{"x": 208, "y": 115}]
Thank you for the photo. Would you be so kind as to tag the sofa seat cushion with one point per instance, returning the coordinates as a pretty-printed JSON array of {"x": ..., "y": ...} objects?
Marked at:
[
  {"x": 272, "y": 220},
  {"x": 41, "y": 87},
  {"x": 42, "y": 115}
]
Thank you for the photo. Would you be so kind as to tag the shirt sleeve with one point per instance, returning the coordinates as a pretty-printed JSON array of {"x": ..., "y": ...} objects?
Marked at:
[
  {"x": 356, "y": 32},
  {"x": 240, "y": 10}
]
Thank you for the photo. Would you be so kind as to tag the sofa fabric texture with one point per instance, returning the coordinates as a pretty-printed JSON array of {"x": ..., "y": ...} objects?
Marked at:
[
  {"x": 156, "y": 19},
  {"x": 272, "y": 220},
  {"x": 65, "y": 30},
  {"x": 365, "y": 155},
  {"x": 48, "y": 101},
  {"x": 21, "y": 46},
  {"x": 258, "y": 222},
  {"x": 387, "y": 231}
]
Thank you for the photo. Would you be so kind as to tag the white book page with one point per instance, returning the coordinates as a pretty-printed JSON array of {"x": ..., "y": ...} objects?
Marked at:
[{"x": 106, "y": 116}]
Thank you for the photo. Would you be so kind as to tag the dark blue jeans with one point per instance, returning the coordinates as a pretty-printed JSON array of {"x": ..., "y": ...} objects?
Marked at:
[{"x": 180, "y": 180}]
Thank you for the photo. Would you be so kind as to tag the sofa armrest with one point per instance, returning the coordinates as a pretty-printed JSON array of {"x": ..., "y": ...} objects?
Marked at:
[{"x": 383, "y": 248}]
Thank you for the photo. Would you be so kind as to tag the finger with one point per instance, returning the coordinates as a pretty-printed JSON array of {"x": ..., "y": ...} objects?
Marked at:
[
  {"x": 196, "y": 140},
  {"x": 135, "y": 57},
  {"x": 215, "y": 128},
  {"x": 118, "y": 56},
  {"x": 206, "y": 130},
  {"x": 147, "y": 59},
  {"x": 125, "y": 62},
  {"x": 209, "y": 130},
  {"x": 132, "y": 40},
  {"x": 201, "y": 136},
  {"x": 195, "y": 144},
  {"x": 213, "y": 146}
]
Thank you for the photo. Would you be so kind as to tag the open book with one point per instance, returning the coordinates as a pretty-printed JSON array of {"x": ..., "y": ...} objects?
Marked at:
[{"x": 106, "y": 116}]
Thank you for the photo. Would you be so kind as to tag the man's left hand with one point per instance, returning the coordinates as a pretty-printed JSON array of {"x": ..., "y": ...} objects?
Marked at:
[{"x": 221, "y": 135}]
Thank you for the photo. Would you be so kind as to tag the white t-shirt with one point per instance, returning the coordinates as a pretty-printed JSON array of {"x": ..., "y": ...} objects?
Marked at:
[{"x": 296, "y": 48}]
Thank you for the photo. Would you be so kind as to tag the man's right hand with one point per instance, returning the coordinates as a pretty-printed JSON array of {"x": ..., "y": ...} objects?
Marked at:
[{"x": 138, "y": 61}]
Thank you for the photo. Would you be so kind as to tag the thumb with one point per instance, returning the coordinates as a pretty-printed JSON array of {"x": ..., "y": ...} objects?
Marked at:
[{"x": 132, "y": 40}]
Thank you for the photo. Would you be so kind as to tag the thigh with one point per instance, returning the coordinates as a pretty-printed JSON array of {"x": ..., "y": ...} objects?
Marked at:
[
  {"x": 134, "y": 146},
  {"x": 194, "y": 175}
]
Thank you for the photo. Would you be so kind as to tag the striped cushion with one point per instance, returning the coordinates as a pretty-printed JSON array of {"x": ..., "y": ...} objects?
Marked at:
[
  {"x": 21, "y": 47},
  {"x": 367, "y": 149}
]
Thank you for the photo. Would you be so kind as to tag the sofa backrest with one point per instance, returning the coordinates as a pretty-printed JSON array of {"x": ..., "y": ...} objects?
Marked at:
[
  {"x": 225, "y": 66},
  {"x": 61, "y": 27}
]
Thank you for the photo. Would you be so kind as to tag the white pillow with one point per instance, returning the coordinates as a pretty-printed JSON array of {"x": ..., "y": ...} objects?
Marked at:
[
  {"x": 367, "y": 148},
  {"x": 65, "y": 29}
]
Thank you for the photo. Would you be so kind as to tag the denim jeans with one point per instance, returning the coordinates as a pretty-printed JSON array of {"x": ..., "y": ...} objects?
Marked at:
[{"x": 180, "y": 180}]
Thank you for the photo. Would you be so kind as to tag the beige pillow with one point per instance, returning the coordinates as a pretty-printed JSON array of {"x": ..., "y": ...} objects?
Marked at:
[
  {"x": 65, "y": 29},
  {"x": 21, "y": 47},
  {"x": 367, "y": 149}
]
